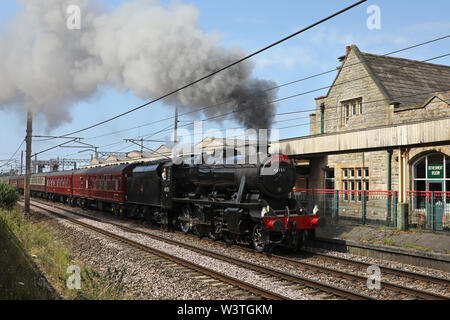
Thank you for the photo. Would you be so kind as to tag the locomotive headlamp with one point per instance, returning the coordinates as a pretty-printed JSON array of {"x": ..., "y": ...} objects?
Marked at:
[{"x": 264, "y": 211}]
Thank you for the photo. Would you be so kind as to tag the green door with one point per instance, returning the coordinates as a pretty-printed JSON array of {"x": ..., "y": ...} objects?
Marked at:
[{"x": 439, "y": 204}]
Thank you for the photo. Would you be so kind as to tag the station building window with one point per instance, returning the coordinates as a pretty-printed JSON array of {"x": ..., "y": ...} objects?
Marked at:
[
  {"x": 355, "y": 179},
  {"x": 431, "y": 173},
  {"x": 351, "y": 108}
]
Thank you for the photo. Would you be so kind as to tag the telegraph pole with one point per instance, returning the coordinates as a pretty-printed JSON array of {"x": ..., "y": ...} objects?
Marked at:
[
  {"x": 28, "y": 162},
  {"x": 175, "y": 138},
  {"x": 21, "y": 163}
]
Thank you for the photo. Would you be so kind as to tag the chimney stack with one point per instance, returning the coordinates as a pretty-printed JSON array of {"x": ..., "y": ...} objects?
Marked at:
[{"x": 347, "y": 50}]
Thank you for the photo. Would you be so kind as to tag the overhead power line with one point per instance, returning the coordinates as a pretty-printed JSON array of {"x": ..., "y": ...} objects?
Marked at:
[
  {"x": 280, "y": 86},
  {"x": 327, "y": 87},
  {"x": 281, "y": 99},
  {"x": 219, "y": 70}
]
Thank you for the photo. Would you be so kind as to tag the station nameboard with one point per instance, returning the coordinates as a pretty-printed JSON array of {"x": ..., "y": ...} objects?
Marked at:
[{"x": 435, "y": 171}]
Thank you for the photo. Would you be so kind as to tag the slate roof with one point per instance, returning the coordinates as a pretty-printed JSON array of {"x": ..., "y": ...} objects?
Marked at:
[{"x": 408, "y": 82}]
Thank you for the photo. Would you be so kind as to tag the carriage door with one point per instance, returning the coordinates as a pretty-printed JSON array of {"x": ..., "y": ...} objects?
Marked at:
[{"x": 166, "y": 185}]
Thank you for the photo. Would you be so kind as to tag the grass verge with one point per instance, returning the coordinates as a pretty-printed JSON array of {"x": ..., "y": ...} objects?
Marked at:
[{"x": 29, "y": 245}]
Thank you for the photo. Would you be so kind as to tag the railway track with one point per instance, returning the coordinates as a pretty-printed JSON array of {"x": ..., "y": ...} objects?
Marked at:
[
  {"x": 362, "y": 279},
  {"x": 315, "y": 288},
  {"x": 287, "y": 278},
  {"x": 262, "y": 293},
  {"x": 384, "y": 270}
]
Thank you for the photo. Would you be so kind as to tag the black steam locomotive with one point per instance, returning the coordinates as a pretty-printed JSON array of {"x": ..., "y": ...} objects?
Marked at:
[{"x": 236, "y": 202}]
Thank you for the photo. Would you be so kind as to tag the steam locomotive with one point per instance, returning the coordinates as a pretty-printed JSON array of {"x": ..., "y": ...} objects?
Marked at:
[{"x": 234, "y": 202}]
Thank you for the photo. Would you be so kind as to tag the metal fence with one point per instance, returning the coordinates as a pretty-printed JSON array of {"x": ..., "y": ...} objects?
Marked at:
[
  {"x": 428, "y": 210},
  {"x": 360, "y": 207}
]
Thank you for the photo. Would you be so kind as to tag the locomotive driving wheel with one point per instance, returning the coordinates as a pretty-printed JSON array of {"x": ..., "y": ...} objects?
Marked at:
[
  {"x": 214, "y": 233},
  {"x": 185, "y": 222},
  {"x": 259, "y": 238},
  {"x": 298, "y": 237}
]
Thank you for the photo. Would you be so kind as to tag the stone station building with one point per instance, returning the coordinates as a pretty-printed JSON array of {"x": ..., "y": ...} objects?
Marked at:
[{"x": 378, "y": 101}]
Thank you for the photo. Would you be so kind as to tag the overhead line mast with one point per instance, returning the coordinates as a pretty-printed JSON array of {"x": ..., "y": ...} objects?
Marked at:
[{"x": 28, "y": 162}]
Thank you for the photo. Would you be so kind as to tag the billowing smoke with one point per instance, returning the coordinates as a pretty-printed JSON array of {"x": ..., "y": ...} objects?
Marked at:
[{"x": 140, "y": 46}]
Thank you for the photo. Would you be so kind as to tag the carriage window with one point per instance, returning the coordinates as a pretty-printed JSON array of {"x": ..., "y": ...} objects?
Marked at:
[{"x": 111, "y": 184}]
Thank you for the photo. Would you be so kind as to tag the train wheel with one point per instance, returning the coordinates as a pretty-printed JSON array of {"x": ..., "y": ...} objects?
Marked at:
[
  {"x": 197, "y": 231},
  {"x": 214, "y": 233},
  {"x": 298, "y": 238},
  {"x": 228, "y": 238},
  {"x": 185, "y": 223},
  {"x": 115, "y": 210},
  {"x": 259, "y": 238}
]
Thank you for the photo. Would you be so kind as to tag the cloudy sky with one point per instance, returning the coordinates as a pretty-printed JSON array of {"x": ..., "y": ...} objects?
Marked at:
[{"x": 237, "y": 27}]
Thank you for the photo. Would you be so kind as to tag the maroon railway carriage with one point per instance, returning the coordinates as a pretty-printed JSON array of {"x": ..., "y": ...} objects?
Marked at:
[
  {"x": 101, "y": 187},
  {"x": 59, "y": 185},
  {"x": 38, "y": 185},
  {"x": 18, "y": 183}
]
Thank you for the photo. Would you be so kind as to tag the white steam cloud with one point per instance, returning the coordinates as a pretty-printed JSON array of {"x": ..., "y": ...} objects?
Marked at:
[{"x": 141, "y": 46}]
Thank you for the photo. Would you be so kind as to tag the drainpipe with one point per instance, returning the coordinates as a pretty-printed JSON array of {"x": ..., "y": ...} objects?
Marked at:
[
  {"x": 389, "y": 186},
  {"x": 403, "y": 207},
  {"x": 322, "y": 118}
]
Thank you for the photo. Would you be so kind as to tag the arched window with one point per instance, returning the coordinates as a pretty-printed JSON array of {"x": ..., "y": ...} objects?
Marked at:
[{"x": 431, "y": 173}]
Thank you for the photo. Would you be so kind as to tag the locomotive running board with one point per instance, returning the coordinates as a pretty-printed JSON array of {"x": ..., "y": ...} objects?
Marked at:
[{"x": 217, "y": 203}]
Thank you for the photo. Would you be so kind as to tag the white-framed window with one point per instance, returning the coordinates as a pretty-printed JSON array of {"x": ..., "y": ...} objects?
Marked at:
[
  {"x": 345, "y": 187},
  {"x": 352, "y": 188},
  {"x": 354, "y": 181},
  {"x": 359, "y": 188},
  {"x": 347, "y": 114},
  {"x": 350, "y": 108}
]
